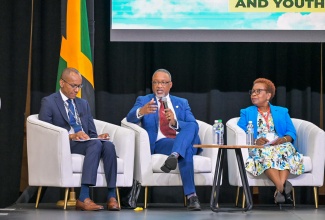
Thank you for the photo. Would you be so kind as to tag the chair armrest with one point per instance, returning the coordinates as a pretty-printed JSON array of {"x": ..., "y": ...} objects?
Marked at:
[
  {"x": 142, "y": 163},
  {"x": 311, "y": 142},
  {"x": 48, "y": 153},
  {"x": 206, "y": 137},
  {"x": 235, "y": 135},
  {"x": 123, "y": 140}
]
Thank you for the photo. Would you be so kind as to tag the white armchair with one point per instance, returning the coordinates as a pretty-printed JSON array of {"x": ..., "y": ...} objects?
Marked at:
[
  {"x": 50, "y": 162},
  {"x": 147, "y": 167},
  {"x": 310, "y": 142}
]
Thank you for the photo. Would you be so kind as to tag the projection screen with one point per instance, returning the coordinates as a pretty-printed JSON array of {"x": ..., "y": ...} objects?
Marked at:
[{"x": 218, "y": 20}]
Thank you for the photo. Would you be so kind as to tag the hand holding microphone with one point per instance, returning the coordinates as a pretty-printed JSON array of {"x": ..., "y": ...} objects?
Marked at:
[
  {"x": 168, "y": 112},
  {"x": 164, "y": 101}
]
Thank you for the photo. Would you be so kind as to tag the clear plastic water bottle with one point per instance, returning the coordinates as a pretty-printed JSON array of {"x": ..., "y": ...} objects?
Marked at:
[
  {"x": 214, "y": 128},
  {"x": 218, "y": 130},
  {"x": 250, "y": 133}
]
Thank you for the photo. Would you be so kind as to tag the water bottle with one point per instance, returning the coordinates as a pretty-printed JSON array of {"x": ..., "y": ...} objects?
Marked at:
[
  {"x": 250, "y": 134},
  {"x": 218, "y": 131},
  {"x": 214, "y": 135}
]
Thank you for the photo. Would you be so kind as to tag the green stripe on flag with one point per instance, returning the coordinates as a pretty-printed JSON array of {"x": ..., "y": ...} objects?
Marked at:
[{"x": 62, "y": 66}]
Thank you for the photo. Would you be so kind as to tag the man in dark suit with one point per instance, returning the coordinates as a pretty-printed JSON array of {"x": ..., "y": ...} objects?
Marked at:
[
  {"x": 65, "y": 110},
  {"x": 172, "y": 130}
]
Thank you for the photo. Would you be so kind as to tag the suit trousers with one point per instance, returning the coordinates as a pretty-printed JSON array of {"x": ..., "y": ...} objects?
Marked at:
[
  {"x": 93, "y": 151},
  {"x": 183, "y": 145}
]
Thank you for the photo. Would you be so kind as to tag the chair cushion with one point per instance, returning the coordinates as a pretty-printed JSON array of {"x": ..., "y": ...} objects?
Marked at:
[
  {"x": 78, "y": 160},
  {"x": 201, "y": 164},
  {"x": 308, "y": 164}
]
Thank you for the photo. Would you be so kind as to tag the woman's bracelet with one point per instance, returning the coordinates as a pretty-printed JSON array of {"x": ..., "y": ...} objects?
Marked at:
[
  {"x": 285, "y": 139},
  {"x": 255, "y": 141}
]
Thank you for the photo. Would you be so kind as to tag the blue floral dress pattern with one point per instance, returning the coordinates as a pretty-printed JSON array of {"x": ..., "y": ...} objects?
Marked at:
[{"x": 281, "y": 157}]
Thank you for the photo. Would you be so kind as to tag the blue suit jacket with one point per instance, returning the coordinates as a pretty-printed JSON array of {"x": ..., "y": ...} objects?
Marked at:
[
  {"x": 281, "y": 118},
  {"x": 53, "y": 111},
  {"x": 150, "y": 122}
]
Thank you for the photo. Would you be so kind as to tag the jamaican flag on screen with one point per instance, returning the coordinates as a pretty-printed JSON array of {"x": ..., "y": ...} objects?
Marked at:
[{"x": 75, "y": 47}]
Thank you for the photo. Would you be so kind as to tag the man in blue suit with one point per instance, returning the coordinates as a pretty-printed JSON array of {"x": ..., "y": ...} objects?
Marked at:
[
  {"x": 65, "y": 110},
  {"x": 172, "y": 130}
]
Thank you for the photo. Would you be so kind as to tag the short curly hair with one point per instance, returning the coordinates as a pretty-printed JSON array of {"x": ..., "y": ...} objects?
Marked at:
[{"x": 269, "y": 85}]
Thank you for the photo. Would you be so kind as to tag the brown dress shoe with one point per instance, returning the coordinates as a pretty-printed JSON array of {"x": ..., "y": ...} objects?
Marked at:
[
  {"x": 112, "y": 205},
  {"x": 88, "y": 205}
]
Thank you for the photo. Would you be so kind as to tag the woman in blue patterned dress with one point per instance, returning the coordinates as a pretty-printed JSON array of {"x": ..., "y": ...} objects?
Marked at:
[{"x": 274, "y": 129}]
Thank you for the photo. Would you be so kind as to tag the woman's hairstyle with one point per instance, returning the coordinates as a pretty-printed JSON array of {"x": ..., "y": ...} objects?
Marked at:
[{"x": 269, "y": 85}]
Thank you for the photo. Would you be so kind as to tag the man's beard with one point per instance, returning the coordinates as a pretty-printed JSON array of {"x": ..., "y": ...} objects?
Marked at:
[{"x": 160, "y": 95}]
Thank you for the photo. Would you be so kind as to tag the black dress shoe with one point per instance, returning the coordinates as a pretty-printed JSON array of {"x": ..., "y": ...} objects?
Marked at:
[
  {"x": 279, "y": 198},
  {"x": 193, "y": 204},
  {"x": 170, "y": 164},
  {"x": 288, "y": 198},
  {"x": 287, "y": 189}
]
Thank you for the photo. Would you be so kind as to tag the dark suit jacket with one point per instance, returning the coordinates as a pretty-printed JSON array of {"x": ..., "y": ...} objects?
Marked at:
[
  {"x": 150, "y": 122},
  {"x": 53, "y": 111}
]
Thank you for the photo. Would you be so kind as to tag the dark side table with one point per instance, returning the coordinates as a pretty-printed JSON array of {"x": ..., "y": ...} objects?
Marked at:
[{"x": 218, "y": 172}]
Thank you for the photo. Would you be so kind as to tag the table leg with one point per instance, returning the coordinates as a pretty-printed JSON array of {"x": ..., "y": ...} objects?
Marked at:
[
  {"x": 216, "y": 181},
  {"x": 247, "y": 191}
]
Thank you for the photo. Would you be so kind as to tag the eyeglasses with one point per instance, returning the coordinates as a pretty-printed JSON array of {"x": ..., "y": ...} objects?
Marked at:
[
  {"x": 256, "y": 91},
  {"x": 74, "y": 86},
  {"x": 155, "y": 83}
]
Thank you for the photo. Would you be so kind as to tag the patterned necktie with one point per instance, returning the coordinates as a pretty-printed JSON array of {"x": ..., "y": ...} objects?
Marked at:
[
  {"x": 164, "y": 124},
  {"x": 72, "y": 119}
]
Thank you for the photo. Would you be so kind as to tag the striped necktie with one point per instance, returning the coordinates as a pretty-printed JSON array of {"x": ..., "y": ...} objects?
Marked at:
[{"x": 72, "y": 117}]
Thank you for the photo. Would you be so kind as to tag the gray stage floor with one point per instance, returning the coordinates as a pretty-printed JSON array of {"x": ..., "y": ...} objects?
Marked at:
[{"x": 48, "y": 211}]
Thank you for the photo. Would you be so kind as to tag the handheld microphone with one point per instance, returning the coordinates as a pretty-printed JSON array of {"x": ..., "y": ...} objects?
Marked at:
[{"x": 164, "y": 101}]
